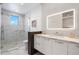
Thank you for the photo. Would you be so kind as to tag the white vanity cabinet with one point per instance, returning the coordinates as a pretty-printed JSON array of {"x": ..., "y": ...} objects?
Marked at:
[
  {"x": 55, "y": 46},
  {"x": 46, "y": 46},
  {"x": 42, "y": 44},
  {"x": 37, "y": 43},
  {"x": 59, "y": 47},
  {"x": 73, "y": 49}
]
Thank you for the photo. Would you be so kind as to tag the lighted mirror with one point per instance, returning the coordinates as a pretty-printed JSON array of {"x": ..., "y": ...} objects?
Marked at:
[{"x": 61, "y": 20}]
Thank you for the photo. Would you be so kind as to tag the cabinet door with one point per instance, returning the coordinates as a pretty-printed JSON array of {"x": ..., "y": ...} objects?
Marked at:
[
  {"x": 42, "y": 44},
  {"x": 73, "y": 49},
  {"x": 37, "y": 42},
  {"x": 59, "y": 47},
  {"x": 46, "y": 46}
]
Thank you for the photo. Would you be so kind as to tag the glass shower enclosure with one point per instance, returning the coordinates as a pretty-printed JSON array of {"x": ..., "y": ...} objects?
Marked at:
[{"x": 11, "y": 36}]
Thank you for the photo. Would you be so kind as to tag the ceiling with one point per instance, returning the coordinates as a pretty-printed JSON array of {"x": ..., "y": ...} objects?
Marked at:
[{"x": 19, "y": 7}]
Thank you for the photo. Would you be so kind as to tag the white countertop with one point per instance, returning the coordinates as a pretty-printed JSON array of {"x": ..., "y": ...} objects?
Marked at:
[{"x": 65, "y": 38}]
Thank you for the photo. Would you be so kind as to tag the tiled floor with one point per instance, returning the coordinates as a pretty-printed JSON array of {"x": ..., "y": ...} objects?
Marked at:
[
  {"x": 20, "y": 49},
  {"x": 17, "y": 51}
]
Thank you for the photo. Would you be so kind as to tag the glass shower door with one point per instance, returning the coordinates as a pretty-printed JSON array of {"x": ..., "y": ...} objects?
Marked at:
[{"x": 9, "y": 32}]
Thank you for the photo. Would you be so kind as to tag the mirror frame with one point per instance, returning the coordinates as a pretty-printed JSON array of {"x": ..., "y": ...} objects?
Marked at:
[{"x": 74, "y": 20}]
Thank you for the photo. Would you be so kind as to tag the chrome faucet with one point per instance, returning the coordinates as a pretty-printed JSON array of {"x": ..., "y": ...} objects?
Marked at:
[{"x": 56, "y": 33}]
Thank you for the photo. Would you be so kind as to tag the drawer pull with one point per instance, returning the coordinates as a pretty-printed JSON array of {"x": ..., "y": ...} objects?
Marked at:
[{"x": 60, "y": 42}]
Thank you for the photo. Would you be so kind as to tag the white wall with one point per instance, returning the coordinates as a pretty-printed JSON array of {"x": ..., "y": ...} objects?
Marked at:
[
  {"x": 27, "y": 20},
  {"x": 34, "y": 14},
  {"x": 51, "y": 8}
]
